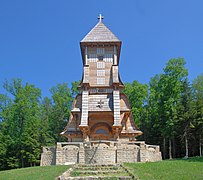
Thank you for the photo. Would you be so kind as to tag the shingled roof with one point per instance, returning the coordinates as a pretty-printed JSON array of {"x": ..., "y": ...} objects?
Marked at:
[{"x": 100, "y": 33}]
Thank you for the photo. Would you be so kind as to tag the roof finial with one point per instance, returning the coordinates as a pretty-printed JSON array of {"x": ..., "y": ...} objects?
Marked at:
[{"x": 100, "y": 17}]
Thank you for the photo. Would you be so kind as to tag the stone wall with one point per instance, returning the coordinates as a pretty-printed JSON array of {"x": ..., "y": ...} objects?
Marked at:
[
  {"x": 48, "y": 156},
  {"x": 67, "y": 153},
  {"x": 149, "y": 153},
  {"x": 128, "y": 153},
  {"x": 100, "y": 152}
]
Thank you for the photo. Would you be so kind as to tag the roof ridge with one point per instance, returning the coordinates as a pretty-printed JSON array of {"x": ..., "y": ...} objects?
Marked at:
[{"x": 100, "y": 33}]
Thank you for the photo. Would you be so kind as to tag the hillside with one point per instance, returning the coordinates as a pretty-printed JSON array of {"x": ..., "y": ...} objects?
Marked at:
[
  {"x": 191, "y": 168},
  {"x": 33, "y": 173}
]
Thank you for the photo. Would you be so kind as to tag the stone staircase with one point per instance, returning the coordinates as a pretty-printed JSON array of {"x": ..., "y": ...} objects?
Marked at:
[{"x": 92, "y": 172}]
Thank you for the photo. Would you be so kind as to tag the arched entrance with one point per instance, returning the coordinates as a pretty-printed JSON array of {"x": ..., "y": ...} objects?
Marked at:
[{"x": 101, "y": 131}]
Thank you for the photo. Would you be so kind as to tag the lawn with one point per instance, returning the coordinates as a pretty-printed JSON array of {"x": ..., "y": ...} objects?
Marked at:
[
  {"x": 178, "y": 169},
  {"x": 33, "y": 173}
]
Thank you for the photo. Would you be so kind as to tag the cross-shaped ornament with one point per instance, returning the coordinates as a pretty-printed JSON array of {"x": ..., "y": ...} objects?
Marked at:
[
  {"x": 100, "y": 103},
  {"x": 100, "y": 17}
]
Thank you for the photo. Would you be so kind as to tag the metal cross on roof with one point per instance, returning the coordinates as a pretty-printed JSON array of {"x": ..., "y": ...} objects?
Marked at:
[
  {"x": 100, "y": 17},
  {"x": 100, "y": 103}
]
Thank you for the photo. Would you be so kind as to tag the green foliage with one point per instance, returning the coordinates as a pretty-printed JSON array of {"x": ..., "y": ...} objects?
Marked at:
[
  {"x": 27, "y": 123},
  {"x": 62, "y": 101},
  {"x": 137, "y": 94},
  {"x": 46, "y": 134},
  {"x": 164, "y": 97},
  {"x": 171, "y": 84},
  {"x": 153, "y": 121},
  {"x": 13, "y": 87},
  {"x": 198, "y": 100},
  {"x": 198, "y": 109},
  {"x": 74, "y": 88},
  {"x": 22, "y": 123}
]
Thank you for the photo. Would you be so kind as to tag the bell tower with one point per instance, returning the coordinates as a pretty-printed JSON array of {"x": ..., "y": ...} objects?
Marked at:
[
  {"x": 101, "y": 111},
  {"x": 101, "y": 128}
]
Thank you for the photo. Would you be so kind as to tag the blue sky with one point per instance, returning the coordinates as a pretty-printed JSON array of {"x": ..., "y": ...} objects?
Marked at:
[{"x": 39, "y": 39}]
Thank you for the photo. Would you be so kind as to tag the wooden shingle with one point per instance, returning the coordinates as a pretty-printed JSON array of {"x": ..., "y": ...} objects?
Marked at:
[{"x": 100, "y": 33}]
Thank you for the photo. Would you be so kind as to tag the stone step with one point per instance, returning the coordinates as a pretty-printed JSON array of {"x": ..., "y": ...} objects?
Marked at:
[
  {"x": 97, "y": 165},
  {"x": 99, "y": 177},
  {"x": 97, "y": 168},
  {"x": 98, "y": 172},
  {"x": 91, "y": 172}
]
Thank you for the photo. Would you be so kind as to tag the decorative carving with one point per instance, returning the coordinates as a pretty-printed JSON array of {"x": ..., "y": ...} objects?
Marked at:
[
  {"x": 100, "y": 103},
  {"x": 85, "y": 133},
  {"x": 116, "y": 133}
]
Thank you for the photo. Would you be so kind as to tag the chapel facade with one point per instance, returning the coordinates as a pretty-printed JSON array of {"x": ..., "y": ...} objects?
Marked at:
[
  {"x": 101, "y": 111},
  {"x": 101, "y": 128}
]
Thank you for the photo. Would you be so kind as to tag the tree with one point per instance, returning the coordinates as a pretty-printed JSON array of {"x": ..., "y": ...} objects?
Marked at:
[
  {"x": 62, "y": 101},
  {"x": 5, "y": 103},
  {"x": 23, "y": 124},
  {"x": 27, "y": 124},
  {"x": 74, "y": 88},
  {"x": 137, "y": 94},
  {"x": 154, "y": 124},
  {"x": 171, "y": 84},
  {"x": 46, "y": 134},
  {"x": 185, "y": 115},
  {"x": 197, "y": 86}
]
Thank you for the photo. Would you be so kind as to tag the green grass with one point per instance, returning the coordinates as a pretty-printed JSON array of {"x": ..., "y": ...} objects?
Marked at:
[
  {"x": 33, "y": 173},
  {"x": 178, "y": 169}
]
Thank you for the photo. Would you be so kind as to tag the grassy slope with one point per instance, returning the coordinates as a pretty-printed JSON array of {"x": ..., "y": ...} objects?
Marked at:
[
  {"x": 169, "y": 169},
  {"x": 33, "y": 173}
]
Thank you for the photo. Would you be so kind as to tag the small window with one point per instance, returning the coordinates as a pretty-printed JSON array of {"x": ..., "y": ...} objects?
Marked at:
[
  {"x": 108, "y": 58},
  {"x": 101, "y": 131},
  {"x": 100, "y": 58},
  {"x": 92, "y": 57},
  {"x": 100, "y": 81},
  {"x": 100, "y": 50},
  {"x": 101, "y": 72},
  {"x": 101, "y": 90},
  {"x": 100, "y": 64}
]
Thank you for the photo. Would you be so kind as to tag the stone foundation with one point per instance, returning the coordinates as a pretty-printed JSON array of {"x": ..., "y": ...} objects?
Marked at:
[
  {"x": 99, "y": 152},
  {"x": 48, "y": 156}
]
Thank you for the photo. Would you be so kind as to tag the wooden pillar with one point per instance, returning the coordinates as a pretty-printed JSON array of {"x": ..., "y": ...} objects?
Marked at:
[
  {"x": 84, "y": 117},
  {"x": 85, "y": 55},
  {"x": 116, "y": 107},
  {"x": 115, "y": 56}
]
